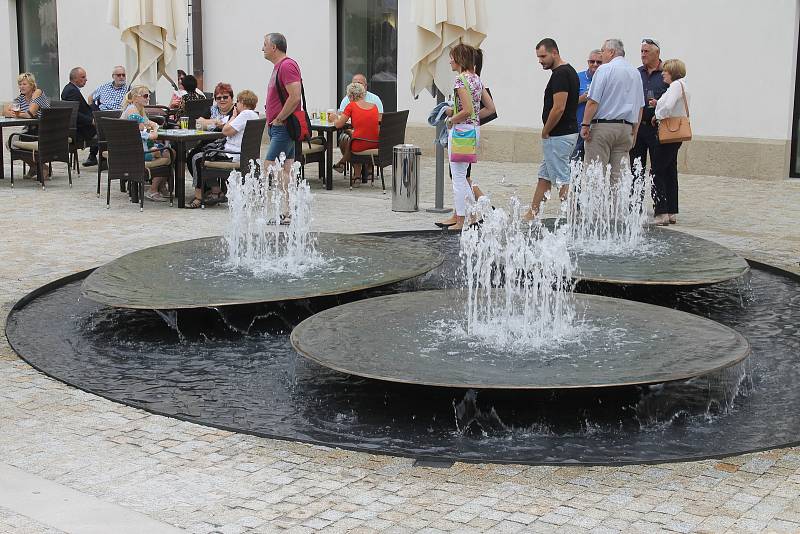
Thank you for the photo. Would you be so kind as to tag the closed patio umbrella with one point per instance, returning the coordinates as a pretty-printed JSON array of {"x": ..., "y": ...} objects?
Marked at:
[
  {"x": 149, "y": 29},
  {"x": 441, "y": 25}
]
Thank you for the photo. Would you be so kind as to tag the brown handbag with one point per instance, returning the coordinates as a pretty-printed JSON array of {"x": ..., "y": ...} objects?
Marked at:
[{"x": 675, "y": 129}]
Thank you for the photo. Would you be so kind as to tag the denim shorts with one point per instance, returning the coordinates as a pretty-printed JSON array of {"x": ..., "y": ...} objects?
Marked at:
[
  {"x": 557, "y": 151},
  {"x": 279, "y": 141}
]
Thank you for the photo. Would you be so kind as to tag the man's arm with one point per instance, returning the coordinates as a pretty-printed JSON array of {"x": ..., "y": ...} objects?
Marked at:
[
  {"x": 636, "y": 124},
  {"x": 292, "y": 100},
  {"x": 588, "y": 115},
  {"x": 559, "y": 105}
]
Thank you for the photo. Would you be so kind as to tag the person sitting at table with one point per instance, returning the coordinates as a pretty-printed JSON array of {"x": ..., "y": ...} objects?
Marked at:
[
  {"x": 28, "y": 105},
  {"x": 365, "y": 119},
  {"x": 134, "y": 103},
  {"x": 246, "y": 102},
  {"x": 191, "y": 92},
  {"x": 347, "y": 133},
  {"x": 180, "y": 91}
]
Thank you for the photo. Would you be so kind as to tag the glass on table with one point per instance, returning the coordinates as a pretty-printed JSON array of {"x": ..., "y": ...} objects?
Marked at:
[
  {"x": 184, "y": 123},
  {"x": 15, "y": 107}
]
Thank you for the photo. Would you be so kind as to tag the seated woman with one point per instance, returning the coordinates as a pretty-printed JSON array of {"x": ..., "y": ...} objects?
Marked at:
[
  {"x": 28, "y": 105},
  {"x": 221, "y": 112},
  {"x": 364, "y": 118},
  {"x": 234, "y": 132},
  {"x": 181, "y": 90},
  {"x": 192, "y": 93},
  {"x": 133, "y": 109}
]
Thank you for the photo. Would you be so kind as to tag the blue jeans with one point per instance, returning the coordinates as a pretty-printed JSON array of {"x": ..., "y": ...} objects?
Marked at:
[
  {"x": 279, "y": 141},
  {"x": 555, "y": 164}
]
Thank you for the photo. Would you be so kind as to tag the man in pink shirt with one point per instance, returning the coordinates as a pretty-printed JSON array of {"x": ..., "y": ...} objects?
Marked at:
[{"x": 283, "y": 99}]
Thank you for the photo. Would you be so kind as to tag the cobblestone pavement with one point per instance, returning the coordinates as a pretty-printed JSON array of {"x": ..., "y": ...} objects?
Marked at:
[{"x": 206, "y": 480}]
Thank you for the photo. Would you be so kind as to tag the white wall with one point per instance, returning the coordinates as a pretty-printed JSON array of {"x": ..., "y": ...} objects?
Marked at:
[
  {"x": 85, "y": 39},
  {"x": 233, "y": 34},
  {"x": 9, "y": 55},
  {"x": 740, "y": 56}
]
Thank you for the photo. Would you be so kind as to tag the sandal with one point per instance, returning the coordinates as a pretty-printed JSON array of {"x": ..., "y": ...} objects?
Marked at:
[
  {"x": 339, "y": 167},
  {"x": 212, "y": 199},
  {"x": 194, "y": 204}
]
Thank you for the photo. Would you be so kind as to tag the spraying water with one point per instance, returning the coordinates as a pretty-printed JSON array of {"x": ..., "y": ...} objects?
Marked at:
[
  {"x": 257, "y": 209},
  {"x": 605, "y": 216},
  {"x": 518, "y": 281}
]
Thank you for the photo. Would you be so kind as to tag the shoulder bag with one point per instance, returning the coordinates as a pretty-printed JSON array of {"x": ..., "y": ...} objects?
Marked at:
[
  {"x": 675, "y": 129},
  {"x": 464, "y": 136},
  {"x": 298, "y": 124}
]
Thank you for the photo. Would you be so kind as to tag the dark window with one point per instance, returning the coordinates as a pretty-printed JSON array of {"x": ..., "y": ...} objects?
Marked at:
[
  {"x": 367, "y": 44},
  {"x": 38, "y": 43}
]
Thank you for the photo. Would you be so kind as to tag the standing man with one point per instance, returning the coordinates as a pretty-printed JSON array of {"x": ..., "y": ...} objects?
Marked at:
[
  {"x": 281, "y": 103},
  {"x": 85, "y": 130},
  {"x": 558, "y": 132},
  {"x": 653, "y": 86},
  {"x": 585, "y": 79},
  {"x": 109, "y": 96},
  {"x": 613, "y": 111}
]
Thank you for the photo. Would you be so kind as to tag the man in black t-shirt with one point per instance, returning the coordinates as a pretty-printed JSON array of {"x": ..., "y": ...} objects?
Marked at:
[{"x": 560, "y": 124}]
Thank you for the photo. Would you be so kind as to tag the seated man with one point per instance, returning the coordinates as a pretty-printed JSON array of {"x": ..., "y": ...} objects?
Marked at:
[
  {"x": 347, "y": 133},
  {"x": 86, "y": 131},
  {"x": 109, "y": 96}
]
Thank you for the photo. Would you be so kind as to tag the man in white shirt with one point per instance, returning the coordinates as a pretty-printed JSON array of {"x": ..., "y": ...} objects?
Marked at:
[{"x": 613, "y": 110}]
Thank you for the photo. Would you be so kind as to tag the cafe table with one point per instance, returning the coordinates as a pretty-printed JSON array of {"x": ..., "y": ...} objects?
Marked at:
[
  {"x": 177, "y": 139},
  {"x": 10, "y": 121},
  {"x": 329, "y": 131}
]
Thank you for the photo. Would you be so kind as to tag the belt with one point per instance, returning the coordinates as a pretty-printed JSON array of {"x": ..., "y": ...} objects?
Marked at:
[{"x": 614, "y": 121}]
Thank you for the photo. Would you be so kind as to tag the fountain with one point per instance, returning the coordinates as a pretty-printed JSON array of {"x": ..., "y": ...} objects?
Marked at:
[{"x": 413, "y": 364}]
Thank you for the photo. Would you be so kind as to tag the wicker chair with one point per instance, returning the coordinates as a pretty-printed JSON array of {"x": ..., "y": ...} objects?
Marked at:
[
  {"x": 195, "y": 109},
  {"x": 310, "y": 152},
  {"x": 51, "y": 144},
  {"x": 73, "y": 130},
  {"x": 393, "y": 132},
  {"x": 102, "y": 146},
  {"x": 126, "y": 158},
  {"x": 251, "y": 150}
]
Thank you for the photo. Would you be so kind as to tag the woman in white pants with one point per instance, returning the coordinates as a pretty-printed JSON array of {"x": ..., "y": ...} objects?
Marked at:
[{"x": 468, "y": 90}]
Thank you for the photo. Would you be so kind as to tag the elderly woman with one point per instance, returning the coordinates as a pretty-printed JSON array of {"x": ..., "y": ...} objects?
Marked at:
[
  {"x": 28, "y": 105},
  {"x": 365, "y": 119},
  {"x": 673, "y": 103},
  {"x": 133, "y": 109},
  {"x": 234, "y": 132}
]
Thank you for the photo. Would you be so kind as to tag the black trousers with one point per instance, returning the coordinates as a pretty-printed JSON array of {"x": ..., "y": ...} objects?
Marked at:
[
  {"x": 646, "y": 141},
  {"x": 665, "y": 178}
]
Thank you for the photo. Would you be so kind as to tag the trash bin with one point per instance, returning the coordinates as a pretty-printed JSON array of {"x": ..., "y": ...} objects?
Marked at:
[{"x": 405, "y": 177}]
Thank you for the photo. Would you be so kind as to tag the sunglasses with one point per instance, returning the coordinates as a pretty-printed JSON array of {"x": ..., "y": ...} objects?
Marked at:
[
  {"x": 651, "y": 42},
  {"x": 595, "y": 61},
  {"x": 121, "y": 75},
  {"x": 222, "y": 97}
]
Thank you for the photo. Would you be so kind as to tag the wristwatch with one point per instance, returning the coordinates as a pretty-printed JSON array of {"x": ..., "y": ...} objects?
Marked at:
[{"x": 582, "y": 125}]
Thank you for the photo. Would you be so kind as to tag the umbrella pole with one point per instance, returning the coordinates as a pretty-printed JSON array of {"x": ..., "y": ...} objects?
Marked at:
[{"x": 439, "y": 191}]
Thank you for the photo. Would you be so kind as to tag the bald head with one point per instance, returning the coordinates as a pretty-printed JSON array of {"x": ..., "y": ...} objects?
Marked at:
[{"x": 78, "y": 76}]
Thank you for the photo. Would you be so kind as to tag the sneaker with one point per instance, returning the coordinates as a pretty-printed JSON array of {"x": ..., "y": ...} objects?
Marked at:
[
  {"x": 154, "y": 196},
  {"x": 90, "y": 162}
]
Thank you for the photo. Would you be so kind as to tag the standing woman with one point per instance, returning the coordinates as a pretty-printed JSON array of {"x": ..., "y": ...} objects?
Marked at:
[
  {"x": 468, "y": 91},
  {"x": 673, "y": 103}
]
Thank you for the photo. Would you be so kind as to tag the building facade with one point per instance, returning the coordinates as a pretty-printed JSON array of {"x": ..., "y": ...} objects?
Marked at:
[{"x": 741, "y": 58}]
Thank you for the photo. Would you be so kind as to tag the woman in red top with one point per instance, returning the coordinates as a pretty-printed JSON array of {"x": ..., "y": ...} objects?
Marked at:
[{"x": 365, "y": 119}]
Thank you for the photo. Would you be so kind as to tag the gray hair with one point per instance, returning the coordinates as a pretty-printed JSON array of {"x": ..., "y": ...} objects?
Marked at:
[
  {"x": 356, "y": 91},
  {"x": 595, "y": 51},
  {"x": 73, "y": 74},
  {"x": 279, "y": 40},
  {"x": 615, "y": 45}
]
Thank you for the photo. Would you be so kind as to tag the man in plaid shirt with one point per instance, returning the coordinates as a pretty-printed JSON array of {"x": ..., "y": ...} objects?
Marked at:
[{"x": 109, "y": 96}]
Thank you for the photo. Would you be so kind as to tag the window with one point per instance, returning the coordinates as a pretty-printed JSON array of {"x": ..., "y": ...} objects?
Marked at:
[
  {"x": 38, "y": 43},
  {"x": 367, "y": 43}
]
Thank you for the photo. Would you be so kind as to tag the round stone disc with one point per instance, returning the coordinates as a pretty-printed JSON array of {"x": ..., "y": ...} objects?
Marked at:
[
  {"x": 193, "y": 274},
  {"x": 618, "y": 342}
]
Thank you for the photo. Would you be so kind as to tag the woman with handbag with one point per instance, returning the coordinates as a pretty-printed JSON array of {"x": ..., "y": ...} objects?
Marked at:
[
  {"x": 464, "y": 128},
  {"x": 672, "y": 114}
]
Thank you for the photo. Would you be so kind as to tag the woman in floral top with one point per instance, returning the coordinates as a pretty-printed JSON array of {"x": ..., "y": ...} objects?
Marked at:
[{"x": 468, "y": 90}]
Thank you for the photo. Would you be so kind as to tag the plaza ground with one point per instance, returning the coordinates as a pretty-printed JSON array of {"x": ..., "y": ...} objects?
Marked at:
[{"x": 71, "y": 461}]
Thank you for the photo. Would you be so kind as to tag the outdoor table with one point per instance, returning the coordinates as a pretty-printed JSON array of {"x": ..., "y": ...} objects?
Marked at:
[
  {"x": 10, "y": 121},
  {"x": 329, "y": 130},
  {"x": 178, "y": 139}
]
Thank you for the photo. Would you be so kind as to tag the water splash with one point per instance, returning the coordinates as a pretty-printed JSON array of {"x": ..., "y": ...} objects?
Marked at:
[
  {"x": 518, "y": 280},
  {"x": 258, "y": 211},
  {"x": 605, "y": 216}
]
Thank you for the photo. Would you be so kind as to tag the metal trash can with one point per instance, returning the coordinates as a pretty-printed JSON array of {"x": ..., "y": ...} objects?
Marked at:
[{"x": 405, "y": 177}]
